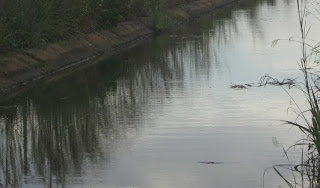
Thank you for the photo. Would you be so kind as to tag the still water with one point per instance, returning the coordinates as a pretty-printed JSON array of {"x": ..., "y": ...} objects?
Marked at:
[{"x": 147, "y": 117}]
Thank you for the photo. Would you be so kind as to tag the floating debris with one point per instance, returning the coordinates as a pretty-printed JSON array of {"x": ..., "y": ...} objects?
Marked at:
[
  {"x": 286, "y": 81},
  {"x": 210, "y": 162},
  {"x": 268, "y": 80},
  {"x": 235, "y": 86}
]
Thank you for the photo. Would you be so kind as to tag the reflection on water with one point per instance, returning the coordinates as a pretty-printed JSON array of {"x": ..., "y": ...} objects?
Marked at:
[{"x": 146, "y": 117}]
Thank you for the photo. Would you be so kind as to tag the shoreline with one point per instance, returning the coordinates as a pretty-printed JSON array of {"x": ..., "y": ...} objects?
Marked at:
[{"x": 38, "y": 63}]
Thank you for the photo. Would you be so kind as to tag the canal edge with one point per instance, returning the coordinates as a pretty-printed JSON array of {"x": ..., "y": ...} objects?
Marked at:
[{"x": 35, "y": 64}]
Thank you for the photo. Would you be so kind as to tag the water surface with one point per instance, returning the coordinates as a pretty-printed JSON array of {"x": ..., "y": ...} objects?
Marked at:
[{"x": 146, "y": 117}]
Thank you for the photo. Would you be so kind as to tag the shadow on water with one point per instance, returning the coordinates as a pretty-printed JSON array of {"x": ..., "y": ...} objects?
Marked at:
[{"x": 53, "y": 132}]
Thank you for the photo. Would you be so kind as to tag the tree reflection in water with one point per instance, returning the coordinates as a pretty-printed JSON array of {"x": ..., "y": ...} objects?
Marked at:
[{"x": 52, "y": 133}]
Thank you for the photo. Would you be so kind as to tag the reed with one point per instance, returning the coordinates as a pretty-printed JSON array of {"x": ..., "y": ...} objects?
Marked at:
[{"x": 308, "y": 121}]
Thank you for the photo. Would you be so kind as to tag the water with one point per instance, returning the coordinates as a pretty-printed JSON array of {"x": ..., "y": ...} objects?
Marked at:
[{"x": 147, "y": 117}]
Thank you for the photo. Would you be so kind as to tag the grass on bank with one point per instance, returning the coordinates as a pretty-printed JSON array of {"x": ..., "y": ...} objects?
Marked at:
[{"x": 34, "y": 23}]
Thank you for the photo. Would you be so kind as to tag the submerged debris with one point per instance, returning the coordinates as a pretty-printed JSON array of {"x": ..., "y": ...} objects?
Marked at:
[{"x": 275, "y": 141}]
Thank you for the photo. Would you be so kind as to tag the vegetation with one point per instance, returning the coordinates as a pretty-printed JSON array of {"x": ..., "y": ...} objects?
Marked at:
[
  {"x": 32, "y": 23},
  {"x": 308, "y": 120}
]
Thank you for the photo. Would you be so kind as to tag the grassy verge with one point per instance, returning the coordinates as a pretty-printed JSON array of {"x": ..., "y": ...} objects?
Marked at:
[{"x": 34, "y": 23}]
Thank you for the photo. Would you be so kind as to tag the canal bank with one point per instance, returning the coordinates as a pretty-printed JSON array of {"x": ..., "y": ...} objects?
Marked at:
[{"x": 37, "y": 63}]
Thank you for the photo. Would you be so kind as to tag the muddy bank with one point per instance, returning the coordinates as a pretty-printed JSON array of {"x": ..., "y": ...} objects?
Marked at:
[{"x": 34, "y": 64}]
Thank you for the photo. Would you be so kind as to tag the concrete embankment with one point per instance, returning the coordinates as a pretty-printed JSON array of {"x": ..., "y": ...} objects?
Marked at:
[{"x": 34, "y": 64}]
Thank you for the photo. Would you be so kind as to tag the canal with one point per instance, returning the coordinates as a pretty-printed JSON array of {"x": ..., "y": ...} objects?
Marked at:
[{"x": 147, "y": 117}]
